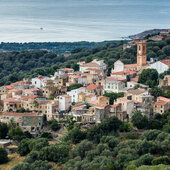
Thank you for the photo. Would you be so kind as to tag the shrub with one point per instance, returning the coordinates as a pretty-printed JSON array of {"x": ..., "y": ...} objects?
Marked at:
[
  {"x": 161, "y": 160},
  {"x": 3, "y": 156}
]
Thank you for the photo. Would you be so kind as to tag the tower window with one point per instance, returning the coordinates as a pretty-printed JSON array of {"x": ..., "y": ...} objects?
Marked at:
[{"x": 139, "y": 48}]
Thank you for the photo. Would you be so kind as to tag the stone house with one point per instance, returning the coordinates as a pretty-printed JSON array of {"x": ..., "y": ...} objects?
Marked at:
[{"x": 161, "y": 105}]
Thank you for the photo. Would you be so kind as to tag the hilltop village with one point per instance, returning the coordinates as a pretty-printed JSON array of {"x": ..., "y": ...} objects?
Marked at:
[{"x": 83, "y": 95}]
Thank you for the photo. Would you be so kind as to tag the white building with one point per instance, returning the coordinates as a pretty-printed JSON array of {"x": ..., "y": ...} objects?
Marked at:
[
  {"x": 113, "y": 84},
  {"x": 95, "y": 64},
  {"x": 63, "y": 71},
  {"x": 39, "y": 81},
  {"x": 161, "y": 65},
  {"x": 64, "y": 102},
  {"x": 74, "y": 94},
  {"x": 118, "y": 66}
]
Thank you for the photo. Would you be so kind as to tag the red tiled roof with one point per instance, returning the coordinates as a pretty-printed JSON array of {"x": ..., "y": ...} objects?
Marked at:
[
  {"x": 90, "y": 96},
  {"x": 166, "y": 61},
  {"x": 115, "y": 105},
  {"x": 160, "y": 103},
  {"x": 18, "y": 114},
  {"x": 66, "y": 69},
  {"x": 115, "y": 79},
  {"x": 91, "y": 87},
  {"x": 160, "y": 98},
  {"x": 16, "y": 90},
  {"x": 29, "y": 97},
  {"x": 91, "y": 64},
  {"x": 131, "y": 66},
  {"x": 10, "y": 87},
  {"x": 124, "y": 72},
  {"x": 65, "y": 96},
  {"x": 41, "y": 77},
  {"x": 18, "y": 82}
]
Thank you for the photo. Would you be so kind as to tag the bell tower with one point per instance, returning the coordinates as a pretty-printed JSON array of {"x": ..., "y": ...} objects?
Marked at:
[{"x": 141, "y": 53}]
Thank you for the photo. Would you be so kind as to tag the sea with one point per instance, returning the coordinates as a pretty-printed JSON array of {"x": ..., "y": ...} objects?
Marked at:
[{"x": 79, "y": 20}]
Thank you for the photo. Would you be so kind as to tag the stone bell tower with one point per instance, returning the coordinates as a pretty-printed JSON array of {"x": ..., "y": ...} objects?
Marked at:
[{"x": 141, "y": 53}]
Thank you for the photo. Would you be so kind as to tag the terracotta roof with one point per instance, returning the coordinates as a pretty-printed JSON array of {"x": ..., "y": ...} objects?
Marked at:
[
  {"x": 160, "y": 103},
  {"x": 159, "y": 36},
  {"x": 131, "y": 66},
  {"x": 99, "y": 97},
  {"x": 18, "y": 82},
  {"x": 100, "y": 106},
  {"x": 166, "y": 61},
  {"x": 93, "y": 102},
  {"x": 91, "y": 87},
  {"x": 65, "y": 96},
  {"x": 29, "y": 97},
  {"x": 115, "y": 79},
  {"x": 160, "y": 98},
  {"x": 18, "y": 114},
  {"x": 115, "y": 105},
  {"x": 135, "y": 79},
  {"x": 124, "y": 99},
  {"x": 12, "y": 100},
  {"x": 10, "y": 87},
  {"x": 66, "y": 69},
  {"x": 30, "y": 90},
  {"x": 74, "y": 76},
  {"x": 91, "y": 64},
  {"x": 16, "y": 90},
  {"x": 41, "y": 77},
  {"x": 133, "y": 82},
  {"x": 91, "y": 96},
  {"x": 137, "y": 91},
  {"x": 124, "y": 72}
]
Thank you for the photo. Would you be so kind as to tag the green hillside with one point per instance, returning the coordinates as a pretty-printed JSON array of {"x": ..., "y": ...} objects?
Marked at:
[{"x": 15, "y": 66}]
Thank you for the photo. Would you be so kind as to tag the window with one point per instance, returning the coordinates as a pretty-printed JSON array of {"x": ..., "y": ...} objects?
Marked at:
[{"x": 139, "y": 48}]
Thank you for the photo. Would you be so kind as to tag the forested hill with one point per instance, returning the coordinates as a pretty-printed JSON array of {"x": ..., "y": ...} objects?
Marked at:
[
  {"x": 56, "y": 47},
  {"x": 14, "y": 66}
]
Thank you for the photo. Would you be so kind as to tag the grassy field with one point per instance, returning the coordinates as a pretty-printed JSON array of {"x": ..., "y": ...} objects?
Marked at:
[{"x": 13, "y": 160}]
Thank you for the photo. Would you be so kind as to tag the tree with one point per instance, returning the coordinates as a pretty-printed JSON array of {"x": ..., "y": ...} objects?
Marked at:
[
  {"x": 76, "y": 135},
  {"x": 156, "y": 92},
  {"x": 38, "y": 144},
  {"x": 161, "y": 160},
  {"x": 81, "y": 148},
  {"x": 149, "y": 77},
  {"x": 113, "y": 96},
  {"x": 111, "y": 141},
  {"x": 166, "y": 128},
  {"x": 74, "y": 86},
  {"x": 139, "y": 120},
  {"x": 39, "y": 164},
  {"x": 125, "y": 127},
  {"x": 57, "y": 153},
  {"x": 32, "y": 157},
  {"x": 166, "y": 50},
  {"x": 15, "y": 133},
  {"x": 54, "y": 125},
  {"x": 88, "y": 59},
  {"x": 46, "y": 135},
  {"x": 144, "y": 160},
  {"x": 3, "y": 130},
  {"x": 75, "y": 66},
  {"x": 23, "y": 147},
  {"x": 3, "y": 156},
  {"x": 150, "y": 134}
]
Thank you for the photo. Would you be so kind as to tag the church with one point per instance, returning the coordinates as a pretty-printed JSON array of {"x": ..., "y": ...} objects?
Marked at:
[{"x": 141, "y": 60}]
